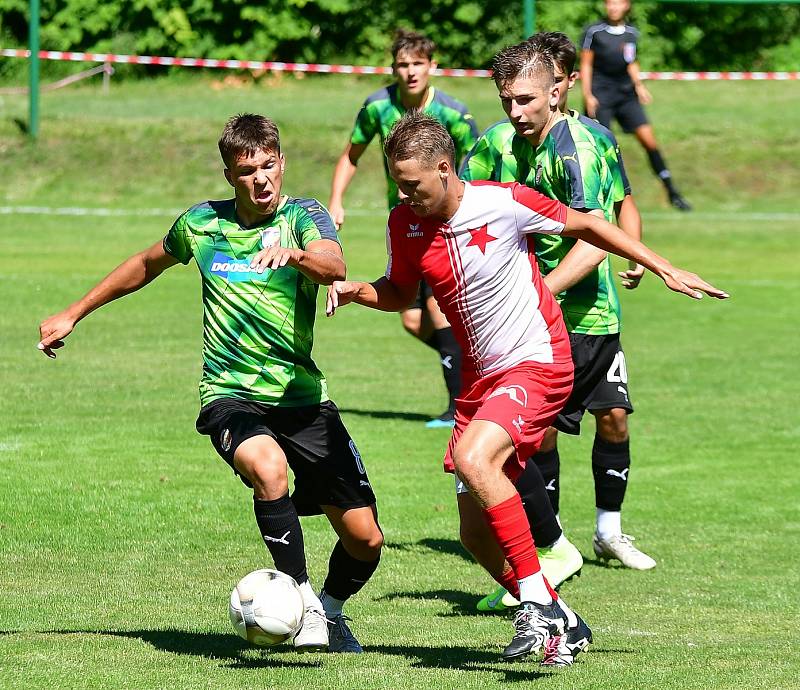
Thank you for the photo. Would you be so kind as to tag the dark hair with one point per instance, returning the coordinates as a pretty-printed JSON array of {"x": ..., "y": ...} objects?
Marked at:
[
  {"x": 557, "y": 46},
  {"x": 246, "y": 133},
  {"x": 413, "y": 43},
  {"x": 521, "y": 60},
  {"x": 419, "y": 137}
]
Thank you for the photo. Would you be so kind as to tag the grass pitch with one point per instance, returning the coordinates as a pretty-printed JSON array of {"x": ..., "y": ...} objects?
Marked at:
[{"x": 121, "y": 532}]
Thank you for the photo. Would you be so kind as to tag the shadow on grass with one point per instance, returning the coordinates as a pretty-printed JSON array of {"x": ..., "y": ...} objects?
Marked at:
[
  {"x": 228, "y": 648},
  {"x": 214, "y": 646},
  {"x": 465, "y": 658},
  {"x": 604, "y": 565},
  {"x": 448, "y": 546},
  {"x": 387, "y": 414},
  {"x": 463, "y": 603}
]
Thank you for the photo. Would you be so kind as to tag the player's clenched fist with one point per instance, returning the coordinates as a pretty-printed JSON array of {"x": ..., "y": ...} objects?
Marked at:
[
  {"x": 340, "y": 292},
  {"x": 52, "y": 332},
  {"x": 275, "y": 258}
]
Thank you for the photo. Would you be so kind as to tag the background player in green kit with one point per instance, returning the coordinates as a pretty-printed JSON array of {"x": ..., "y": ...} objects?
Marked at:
[
  {"x": 412, "y": 62},
  {"x": 264, "y": 402},
  {"x": 560, "y": 157}
]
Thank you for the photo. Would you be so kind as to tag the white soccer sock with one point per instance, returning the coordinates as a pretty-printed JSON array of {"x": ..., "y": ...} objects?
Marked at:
[
  {"x": 609, "y": 523},
  {"x": 558, "y": 542},
  {"x": 332, "y": 607},
  {"x": 533, "y": 588},
  {"x": 310, "y": 599},
  {"x": 572, "y": 619}
]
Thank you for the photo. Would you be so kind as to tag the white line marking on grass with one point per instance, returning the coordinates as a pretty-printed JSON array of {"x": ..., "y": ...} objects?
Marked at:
[
  {"x": 79, "y": 211},
  {"x": 721, "y": 216}
]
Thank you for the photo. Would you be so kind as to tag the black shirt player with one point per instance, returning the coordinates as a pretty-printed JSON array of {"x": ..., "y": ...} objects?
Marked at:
[{"x": 612, "y": 87}]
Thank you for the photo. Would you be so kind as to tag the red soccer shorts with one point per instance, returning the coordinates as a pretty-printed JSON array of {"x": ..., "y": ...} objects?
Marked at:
[{"x": 524, "y": 400}]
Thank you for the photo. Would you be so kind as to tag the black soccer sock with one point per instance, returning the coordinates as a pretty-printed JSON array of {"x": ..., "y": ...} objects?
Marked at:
[
  {"x": 280, "y": 528},
  {"x": 450, "y": 357},
  {"x": 347, "y": 575},
  {"x": 659, "y": 166},
  {"x": 549, "y": 464},
  {"x": 611, "y": 463},
  {"x": 541, "y": 518},
  {"x": 432, "y": 341}
]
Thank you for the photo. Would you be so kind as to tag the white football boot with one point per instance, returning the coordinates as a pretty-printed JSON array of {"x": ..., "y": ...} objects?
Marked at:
[
  {"x": 313, "y": 635},
  {"x": 621, "y": 548}
]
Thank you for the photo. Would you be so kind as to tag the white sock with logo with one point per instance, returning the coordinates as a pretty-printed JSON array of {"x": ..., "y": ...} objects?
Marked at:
[{"x": 609, "y": 523}]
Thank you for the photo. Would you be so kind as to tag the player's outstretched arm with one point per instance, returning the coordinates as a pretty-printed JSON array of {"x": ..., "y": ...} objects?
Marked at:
[
  {"x": 579, "y": 262},
  {"x": 605, "y": 236},
  {"x": 132, "y": 274},
  {"x": 321, "y": 261},
  {"x": 343, "y": 174},
  {"x": 381, "y": 294}
]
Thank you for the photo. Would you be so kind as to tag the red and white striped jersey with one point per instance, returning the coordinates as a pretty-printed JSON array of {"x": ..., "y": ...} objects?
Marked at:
[{"x": 482, "y": 270}]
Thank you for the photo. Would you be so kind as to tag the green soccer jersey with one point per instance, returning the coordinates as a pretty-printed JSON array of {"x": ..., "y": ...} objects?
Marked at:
[
  {"x": 383, "y": 109},
  {"x": 566, "y": 166},
  {"x": 258, "y": 328}
]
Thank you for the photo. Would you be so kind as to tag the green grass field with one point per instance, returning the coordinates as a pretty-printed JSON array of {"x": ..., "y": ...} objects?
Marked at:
[{"x": 122, "y": 533}]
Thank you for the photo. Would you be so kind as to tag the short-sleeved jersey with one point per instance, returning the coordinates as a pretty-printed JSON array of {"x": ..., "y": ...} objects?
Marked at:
[
  {"x": 614, "y": 49},
  {"x": 482, "y": 270},
  {"x": 567, "y": 166},
  {"x": 608, "y": 144},
  {"x": 258, "y": 328},
  {"x": 383, "y": 109}
]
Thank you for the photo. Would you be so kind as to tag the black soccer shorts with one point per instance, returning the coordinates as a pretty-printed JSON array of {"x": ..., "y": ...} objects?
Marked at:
[
  {"x": 327, "y": 467},
  {"x": 601, "y": 379},
  {"x": 421, "y": 300},
  {"x": 622, "y": 104}
]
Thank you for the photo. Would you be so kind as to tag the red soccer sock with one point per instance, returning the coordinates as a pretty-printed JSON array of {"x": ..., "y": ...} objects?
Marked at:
[
  {"x": 510, "y": 582},
  {"x": 509, "y": 525}
]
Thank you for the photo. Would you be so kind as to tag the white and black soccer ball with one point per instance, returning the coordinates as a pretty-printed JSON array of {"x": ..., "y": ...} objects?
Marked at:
[{"x": 266, "y": 607}]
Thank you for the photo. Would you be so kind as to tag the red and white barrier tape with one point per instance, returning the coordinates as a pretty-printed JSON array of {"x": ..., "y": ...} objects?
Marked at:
[{"x": 358, "y": 69}]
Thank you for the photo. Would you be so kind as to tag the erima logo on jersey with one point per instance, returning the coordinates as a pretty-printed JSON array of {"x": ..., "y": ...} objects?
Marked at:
[
  {"x": 235, "y": 270},
  {"x": 414, "y": 231}
]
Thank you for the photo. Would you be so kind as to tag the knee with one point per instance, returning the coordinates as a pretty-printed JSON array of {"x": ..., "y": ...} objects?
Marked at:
[
  {"x": 467, "y": 463},
  {"x": 549, "y": 441},
  {"x": 612, "y": 425},
  {"x": 412, "y": 321},
  {"x": 366, "y": 545},
  {"x": 268, "y": 475}
]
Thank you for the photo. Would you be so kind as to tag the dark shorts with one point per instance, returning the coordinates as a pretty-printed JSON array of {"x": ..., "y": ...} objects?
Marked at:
[
  {"x": 601, "y": 379},
  {"x": 327, "y": 467},
  {"x": 620, "y": 103},
  {"x": 421, "y": 301}
]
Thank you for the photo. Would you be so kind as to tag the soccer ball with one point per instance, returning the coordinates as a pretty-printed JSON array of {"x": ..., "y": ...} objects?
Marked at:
[{"x": 266, "y": 607}]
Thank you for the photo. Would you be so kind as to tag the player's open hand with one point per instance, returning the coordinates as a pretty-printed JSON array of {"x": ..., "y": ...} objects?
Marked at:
[
  {"x": 633, "y": 276},
  {"x": 337, "y": 213},
  {"x": 643, "y": 94},
  {"x": 690, "y": 284},
  {"x": 275, "y": 257},
  {"x": 340, "y": 292},
  {"x": 52, "y": 332}
]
